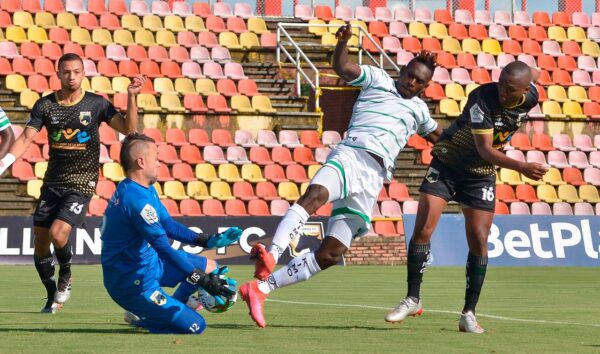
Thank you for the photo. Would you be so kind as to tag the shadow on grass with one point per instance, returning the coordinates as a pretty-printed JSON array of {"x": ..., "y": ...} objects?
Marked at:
[{"x": 75, "y": 330}]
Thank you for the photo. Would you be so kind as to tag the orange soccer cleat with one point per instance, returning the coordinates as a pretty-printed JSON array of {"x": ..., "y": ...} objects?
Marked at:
[
  {"x": 265, "y": 263},
  {"x": 255, "y": 300}
]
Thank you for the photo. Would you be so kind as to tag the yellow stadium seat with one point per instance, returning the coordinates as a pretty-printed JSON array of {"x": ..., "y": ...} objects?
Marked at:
[
  {"x": 120, "y": 84},
  {"x": 151, "y": 121},
  {"x": 530, "y": 181},
  {"x": 152, "y": 23},
  {"x": 102, "y": 36},
  {"x": 462, "y": 104},
  {"x": 590, "y": 48},
  {"x": 552, "y": 109},
  {"x": 498, "y": 181},
  {"x": 175, "y": 190},
  {"x": 471, "y": 45},
  {"x": 319, "y": 31},
  {"x": 206, "y": 172},
  {"x": 164, "y": 85},
  {"x": 198, "y": 190},
  {"x": 174, "y": 23},
  {"x": 66, "y": 20},
  {"x": 242, "y": 104},
  {"x": 147, "y": 102},
  {"x": 175, "y": 120},
  {"x": 16, "y": 34},
  {"x": 257, "y": 25},
  {"x": 37, "y": 35},
  {"x": 23, "y": 19},
  {"x": 45, "y": 19},
  {"x": 312, "y": 170},
  {"x": 547, "y": 193},
  {"x": 131, "y": 22},
  {"x": 557, "y": 93},
  {"x": 252, "y": 173},
  {"x": 34, "y": 188},
  {"x": 2, "y": 34},
  {"x": 144, "y": 38},
  {"x": 469, "y": 88},
  {"x": 16, "y": 83},
  {"x": 438, "y": 30},
  {"x": 159, "y": 190},
  {"x": 81, "y": 36},
  {"x": 123, "y": 37},
  {"x": 451, "y": 45},
  {"x": 557, "y": 33},
  {"x": 449, "y": 107},
  {"x": 171, "y": 102},
  {"x": 229, "y": 40},
  {"x": 249, "y": 40},
  {"x": 221, "y": 191},
  {"x": 573, "y": 110},
  {"x": 262, "y": 104},
  {"x": 288, "y": 191},
  {"x": 113, "y": 171},
  {"x": 555, "y": 127},
  {"x": 511, "y": 177},
  {"x": 85, "y": 84},
  {"x": 337, "y": 24},
  {"x": 328, "y": 39},
  {"x": 491, "y": 46},
  {"x": 353, "y": 44},
  {"x": 39, "y": 169},
  {"x": 358, "y": 23},
  {"x": 195, "y": 24},
  {"x": 102, "y": 84},
  {"x": 578, "y": 94},
  {"x": 229, "y": 173},
  {"x": 28, "y": 98},
  {"x": 303, "y": 187},
  {"x": 576, "y": 34},
  {"x": 206, "y": 87},
  {"x": 553, "y": 177},
  {"x": 418, "y": 29},
  {"x": 184, "y": 86},
  {"x": 455, "y": 91},
  {"x": 589, "y": 193},
  {"x": 568, "y": 193},
  {"x": 166, "y": 38}
]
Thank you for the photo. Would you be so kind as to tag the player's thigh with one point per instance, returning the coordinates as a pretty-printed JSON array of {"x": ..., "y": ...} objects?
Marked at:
[
  {"x": 172, "y": 275},
  {"x": 477, "y": 192},
  {"x": 330, "y": 178},
  {"x": 46, "y": 208},
  {"x": 73, "y": 207}
]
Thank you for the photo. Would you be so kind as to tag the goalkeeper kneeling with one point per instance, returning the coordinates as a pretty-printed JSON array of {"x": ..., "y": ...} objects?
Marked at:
[{"x": 137, "y": 259}]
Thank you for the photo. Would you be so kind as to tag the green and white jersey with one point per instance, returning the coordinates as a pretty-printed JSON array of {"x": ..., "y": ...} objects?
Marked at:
[
  {"x": 4, "y": 122},
  {"x": 382, "y": 120}
]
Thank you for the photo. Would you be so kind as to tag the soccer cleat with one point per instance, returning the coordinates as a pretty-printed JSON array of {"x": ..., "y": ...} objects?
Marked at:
[
  {"x": 265, "y": 262},
  {"x": 63, "y": 292},
  {"x": 131, "y": 319},
  {"x": 255, "y": 299},
  {"x": 468, "y": 323},
  {"x": 407, "y": 307},
  {"x": 51, "y": 308}
]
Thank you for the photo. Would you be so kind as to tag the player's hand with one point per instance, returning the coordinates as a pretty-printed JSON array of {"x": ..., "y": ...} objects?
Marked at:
[
  {"x": 231, "y": 283},
  {"x": 225, "y": 238},
  {"x": 214, "y": 283},
  {"x": 136, "y": 84},
  {"x": 534, "y": 170},
  {"x": 344, "y": 33}
]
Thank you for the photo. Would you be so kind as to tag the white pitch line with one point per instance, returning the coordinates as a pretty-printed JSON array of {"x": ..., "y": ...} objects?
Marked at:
[{"x": 503, "y": 318}]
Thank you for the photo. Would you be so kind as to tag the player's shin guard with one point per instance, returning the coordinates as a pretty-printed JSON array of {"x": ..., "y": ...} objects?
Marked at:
[
  {"x": 299, "y": 269},
  {"x": 289, "y": 227},
  {"x": 64, "y": 256},
  {"x": 418, "y": 254},
  {"x": 45, "y": 268},
  {"x": 476, "y": 269}
]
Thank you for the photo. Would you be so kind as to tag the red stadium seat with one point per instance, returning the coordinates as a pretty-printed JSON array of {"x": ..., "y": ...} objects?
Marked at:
[
  {"x": 304, "y": 156},
  {"x": 505, "y": 193},
  {"x": 222, "y": 137},
  {"x": 97, "y": 207},
  {"x": 118, "y": 7},
  {"x": 260, "y": 156},
  {"x": 296, "y": 173},
  {"x": 191, "y": 154},
  {"x": 199, "y": 137},
  {"x": 386, "y": 228},
  {"x": 258, "y": 207},
  {"x": 265, "y": 190},
  {"x": 399, "y": 191},
  {"x": 541, "y": 18},
  {"x": 275, "y": 174},
  {"x": 213, "y": 207},
  {"x": 23, "y": 171},
  {"x": 190, "y": 207},
  {"x": 105, "y": 189},
  {"x": 155, "y": 134},
  {"x": 194, "y": 103},
  {"x": 167, "y": 154},
  {"x": 541, "y": 141},
  {"x": 282, "y": 155},
  {"x": 171, "y": 207},
  {"x": 501, "y": 208},
  {"x": 243, "y": 190}
]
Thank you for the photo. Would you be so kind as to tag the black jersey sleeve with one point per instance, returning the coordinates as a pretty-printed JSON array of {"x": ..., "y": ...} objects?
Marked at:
[
  {"x": 531, "y": 98},
  {"x": 478, "y": 114},
  {"x": 36, "y": 117},
  {"x": 107, "y": 112}
]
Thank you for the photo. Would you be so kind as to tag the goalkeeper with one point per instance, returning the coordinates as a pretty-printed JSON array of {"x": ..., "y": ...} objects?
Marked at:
[{"x": 137, "y": 259}]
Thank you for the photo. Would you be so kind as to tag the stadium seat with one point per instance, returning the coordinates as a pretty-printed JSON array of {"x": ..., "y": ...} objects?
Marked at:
[
  {"x": 547, "y": 193},
  {"x": 243, "y": 191},
  {"x": 235, "y": 207},
  {"x": 275, "y": 173},
  {"x": 167, "y": 154},
  {"x": 591, "y": 175},
  {"x": 510, "y": 177},
  {"x": 505, "y": 193},
  {"x": 23, "y": 171},
  {"x": 578, "y": 159},
  {"x": 288, "y": 191},
  {"x": 304, "y": 156},
  {"x": 252, "y": 173},
  {"x": 449, "y": 107},
  {"x": 190, "y": 207},
  {"x": 217, "y": 103},
  {"x": 279, "y": 207},
  {"x": 589, "y": 193},
  {"x": 399, "y": 191},
  {"x": 553, "y": 177},
  {"x": 441, "y": 76},
  {"x": 237, "y": 155},
  {"x": 183, "y": 172},
  {"x": 583, "y": 208},
  {"x": 212, "y": 207},
  {"x": 526, "y": 193},
  {"x": 197, "y": 190},
  {"x": 214, "y": 155},
  {"x": 220, "y": 190},
  {"x": 562, "y": 208},
  {"x": 568, "y": 193},
  {"x": 206, "y": 172},
  {"x": 573, "y": 176},
  {"x": 113, "y": 171},
  {"x": 175, "y": 190},
  {"x": 541, "y": 208},
  {"x": 244, "y": 138},
  {"x": 296, "y": 173},
  {"x": 260, "y": 155},
  {"x": 191, "y": 154}
]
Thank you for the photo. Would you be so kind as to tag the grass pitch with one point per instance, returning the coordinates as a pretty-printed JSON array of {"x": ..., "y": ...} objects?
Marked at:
[{"x": 524, "y": 310}]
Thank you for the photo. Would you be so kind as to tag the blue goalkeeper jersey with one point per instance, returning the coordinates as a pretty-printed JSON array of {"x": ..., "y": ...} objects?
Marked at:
[{"x": 135, "y": 241}]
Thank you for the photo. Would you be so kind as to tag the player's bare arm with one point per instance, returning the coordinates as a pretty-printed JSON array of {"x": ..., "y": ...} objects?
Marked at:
[
  {"x": 7, "y": 136},
  {"x": 128, "y": 124},
  {"x": 17, "y": 148},
  {"x": 483, "y": 143},
  {"x": 345, "y": 69},
  {"x": 434, "y": 135}
]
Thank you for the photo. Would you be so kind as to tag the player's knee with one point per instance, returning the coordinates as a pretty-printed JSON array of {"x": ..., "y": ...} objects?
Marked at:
[
  {"x": 198, "y": 326},
  {"x": 59, "y": 231},
  {"x": 423, "y": 234},
  {"x": 314, "y": 197},
  {"x": 190, "y": 322},
  {"x": 327, "y": 258}
]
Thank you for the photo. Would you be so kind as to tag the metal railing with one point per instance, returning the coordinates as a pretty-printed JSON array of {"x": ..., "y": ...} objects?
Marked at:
[{"x": 301, "y": 62}]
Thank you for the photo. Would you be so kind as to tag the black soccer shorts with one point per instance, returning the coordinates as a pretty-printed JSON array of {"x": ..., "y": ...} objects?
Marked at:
[
  {"x": 471, "y": 191},
  {"x": 69, "y": 206}
]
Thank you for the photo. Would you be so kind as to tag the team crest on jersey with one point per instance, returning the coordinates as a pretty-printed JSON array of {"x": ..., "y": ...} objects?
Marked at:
[
  {"x": 85, "y": 118},
  {"x": 158, "y": 298},
  {"x": 476, "y": 114},
  {"x": 149, "y": 214}
]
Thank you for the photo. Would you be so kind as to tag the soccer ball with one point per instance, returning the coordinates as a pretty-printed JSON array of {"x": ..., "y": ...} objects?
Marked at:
[{"x": 210, "y": 303}]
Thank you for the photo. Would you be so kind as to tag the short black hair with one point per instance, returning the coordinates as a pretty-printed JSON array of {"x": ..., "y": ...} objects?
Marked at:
[
  {"x": 130, "y": 140},
  {"x": 426, "y": 58},
  {"x": 68, "y": 57}
]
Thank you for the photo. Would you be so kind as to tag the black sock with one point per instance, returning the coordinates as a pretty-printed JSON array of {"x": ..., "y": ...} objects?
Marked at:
[
  {"x": 476, "y": 268},
  {"x": 45, "y": 268},
  {"x": 64, "y": 256},
  {"x": 418, "y": 253}
]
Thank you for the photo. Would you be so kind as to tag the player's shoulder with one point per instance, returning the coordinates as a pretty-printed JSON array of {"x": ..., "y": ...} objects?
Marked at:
[
  {"x": 134, "y": 195},
  {"x": 93, "y": 97}
]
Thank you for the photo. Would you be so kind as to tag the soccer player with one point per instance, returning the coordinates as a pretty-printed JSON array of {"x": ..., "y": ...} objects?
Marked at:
[
  {"x": 385, "y": 115},
  {"x": 463, "y": 170},
  {"x": 72, "y": 117},
  {"x": 7, "y": 136},
  {"x": 137, "y": 258}
]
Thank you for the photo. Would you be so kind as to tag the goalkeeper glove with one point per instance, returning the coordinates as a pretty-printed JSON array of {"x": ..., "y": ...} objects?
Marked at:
[
  {"x": 222, "y": 239},
  {"x": 214, "y": 283}
]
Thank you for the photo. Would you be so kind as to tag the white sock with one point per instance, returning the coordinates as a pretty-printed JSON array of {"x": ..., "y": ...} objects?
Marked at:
[
  {"x": 288, "y": 228},
  {"x": 299, "y": 269}
]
